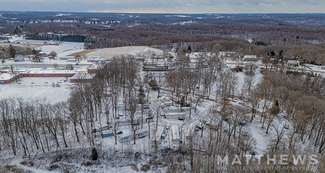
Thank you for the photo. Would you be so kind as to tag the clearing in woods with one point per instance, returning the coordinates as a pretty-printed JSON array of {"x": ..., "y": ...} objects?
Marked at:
[{"x": 108, "y": 53}]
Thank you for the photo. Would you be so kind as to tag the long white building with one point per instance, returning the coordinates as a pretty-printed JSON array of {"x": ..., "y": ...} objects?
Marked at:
[{"x": 130, "y": 136}]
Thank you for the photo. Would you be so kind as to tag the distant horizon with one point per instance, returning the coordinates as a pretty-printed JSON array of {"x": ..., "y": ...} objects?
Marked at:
[{"x": 31, "y": 11}]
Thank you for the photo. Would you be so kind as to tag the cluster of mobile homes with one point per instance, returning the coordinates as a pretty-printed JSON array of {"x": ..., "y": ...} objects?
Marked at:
[{"x": 130, "y": 136}]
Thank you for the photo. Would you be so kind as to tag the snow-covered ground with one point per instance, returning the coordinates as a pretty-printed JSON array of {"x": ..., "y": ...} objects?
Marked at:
[
  {"x": 108, "y": 53},
  {"x": 314, "y": 68},
  {"x": 39, "y": 89},
  {"x": 258, "y": 134},
  {"x": 64, "y": 49},
  {"x": 26, "y": 168}
]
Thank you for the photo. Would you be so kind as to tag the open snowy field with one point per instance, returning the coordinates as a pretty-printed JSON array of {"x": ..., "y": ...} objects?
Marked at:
[
  {"x": 22, "y": 42},
  {"x": 64, "y": 49},
  {"x": 39, "y": 89},
  {"x": 132, "y": 50}
]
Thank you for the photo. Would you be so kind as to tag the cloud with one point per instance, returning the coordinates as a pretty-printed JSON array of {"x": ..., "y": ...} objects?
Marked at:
[{"x": 167, "y": 6}]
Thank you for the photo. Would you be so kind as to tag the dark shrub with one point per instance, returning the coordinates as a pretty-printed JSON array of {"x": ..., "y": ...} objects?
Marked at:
[{"x": 94, "y": 154}]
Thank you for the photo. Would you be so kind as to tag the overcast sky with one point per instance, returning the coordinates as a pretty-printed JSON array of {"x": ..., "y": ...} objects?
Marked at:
[{"x": 167, "y": 6}]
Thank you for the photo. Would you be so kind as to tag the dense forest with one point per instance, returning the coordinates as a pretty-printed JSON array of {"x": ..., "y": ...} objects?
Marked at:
[
  {"x": 150, "y": 34},
  {"x": 296, "y": 43}
]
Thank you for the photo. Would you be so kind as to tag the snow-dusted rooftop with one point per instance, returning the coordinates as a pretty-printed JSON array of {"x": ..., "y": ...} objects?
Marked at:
[
  {"x": 45, "y": 71},
  {"x": 159, "y": 132},
  {"x": 175, "y": 132},
  {"x": 250, "y": 56},
  {"x": 7, "y": 76},
  {"x": 83, "y": 75},
  {"x": 94, "y": 66}
]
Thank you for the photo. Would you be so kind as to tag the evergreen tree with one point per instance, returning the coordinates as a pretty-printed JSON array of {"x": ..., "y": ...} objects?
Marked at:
[
  {"x": 183, "y": 102},
  {"x": 189, "y": 49},
  {"x": 94, "y": 154},
  {"x": 275, "y": 110},
  {"x": 12, "y": 51},
  {"x": 153, "y": 84},
  {"x": 141, "y": 95}
]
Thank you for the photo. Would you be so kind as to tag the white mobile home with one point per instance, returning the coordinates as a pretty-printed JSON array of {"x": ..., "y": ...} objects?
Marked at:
[
  {"x": 293, "y": 63},
  {"x": 249, "y": 58},
  {"x": 67, "y": 58},
  {"x": 174, "y": 135},
  {"x": 127, "y": 122},
  {"x": 189, "y": 132},
  {"x": 130, "y": 136},
  {"x": 157, "y": 137},
  {"x": 161, "y": 64},
  {"x": 226, "y": 54},
  {"x": 186, "y": 109},
  {"x": 96, "y": 59},
  {"x": 170, "y": 64},
  {"x": 123, "y": 122},
  {"x": 173, "y": 109},
  {"x": 166, "y": 102},
  {"x": 71, "y": 60},
  {"x": 177, "y": 115}
]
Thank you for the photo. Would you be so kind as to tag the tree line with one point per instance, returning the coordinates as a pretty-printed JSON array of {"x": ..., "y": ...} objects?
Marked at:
[{"x": 72, "y": 38}]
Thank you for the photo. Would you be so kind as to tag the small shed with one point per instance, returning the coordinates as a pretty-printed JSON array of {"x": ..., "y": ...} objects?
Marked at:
[
  {"x": 19, "y": 58},
  {"x": 106, "y": 135},
  {"x": 293, "y": 63}
]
